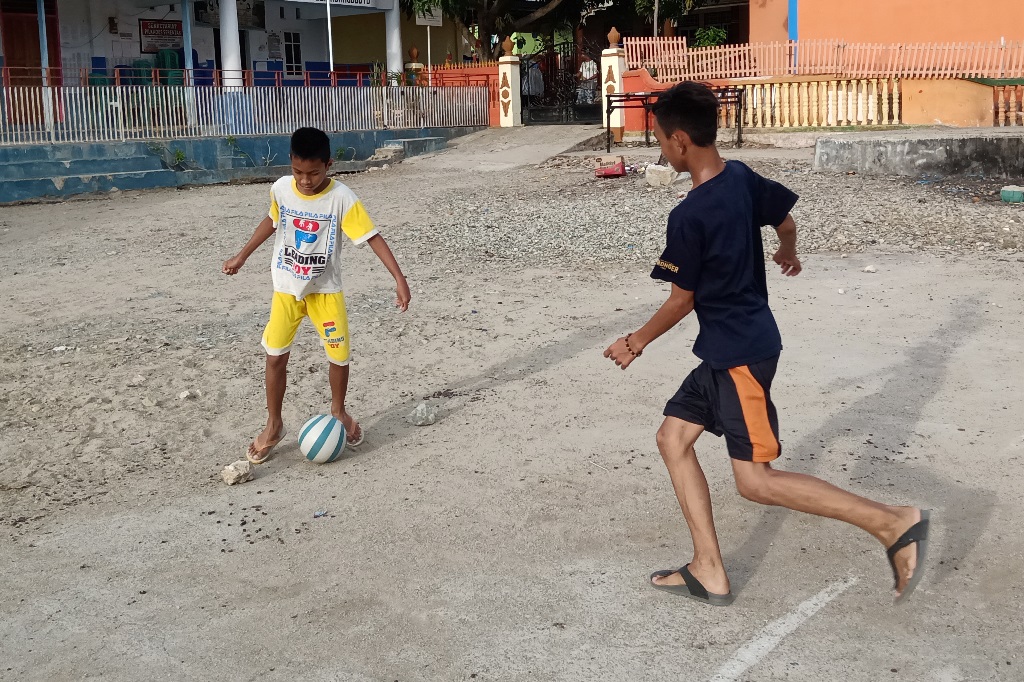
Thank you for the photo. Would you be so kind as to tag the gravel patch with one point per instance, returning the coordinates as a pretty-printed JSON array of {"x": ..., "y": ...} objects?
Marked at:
[{"x": 558, "y": 213}]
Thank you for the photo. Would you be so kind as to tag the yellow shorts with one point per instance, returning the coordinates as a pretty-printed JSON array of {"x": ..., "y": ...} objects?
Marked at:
[{"x": 325, "y": 311}]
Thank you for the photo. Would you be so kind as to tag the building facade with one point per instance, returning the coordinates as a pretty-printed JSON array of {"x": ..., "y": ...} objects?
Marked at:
[
  {"x": 97, "y": 36},
  {"x": 886, "y": 21}
]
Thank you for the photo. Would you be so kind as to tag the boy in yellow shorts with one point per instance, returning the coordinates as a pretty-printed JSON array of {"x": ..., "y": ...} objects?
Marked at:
[{"x": 309, "y": 212}]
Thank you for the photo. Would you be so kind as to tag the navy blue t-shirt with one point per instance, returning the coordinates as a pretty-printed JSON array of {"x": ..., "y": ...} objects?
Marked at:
[{"x": 714, "y": 249}]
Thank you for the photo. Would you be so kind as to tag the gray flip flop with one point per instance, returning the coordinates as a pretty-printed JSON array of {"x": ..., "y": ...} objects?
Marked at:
[
  {"x": 693, "y": 589},
  {"x": 917, "y": 533}
]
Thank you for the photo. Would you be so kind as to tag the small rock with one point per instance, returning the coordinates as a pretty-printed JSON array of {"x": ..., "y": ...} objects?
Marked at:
[
  {"x": 871, "y": 268},
  {"x": 842, "y": 291},
  {"x": 237, "y": 472},
  {"x": 660, "y": 176},
  {"x": 188, "y": 395},
  {"x": 423, "y": 415},
  {"x": 61, "y": 349},
  {"x": 136, "y": 380}
]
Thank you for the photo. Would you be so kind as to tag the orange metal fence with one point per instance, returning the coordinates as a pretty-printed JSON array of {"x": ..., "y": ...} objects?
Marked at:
[{"x": 671, "y": 59}]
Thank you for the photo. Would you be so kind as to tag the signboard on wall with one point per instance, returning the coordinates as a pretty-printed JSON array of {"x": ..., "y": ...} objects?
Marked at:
[
  {"x": 160, "y": 35},
  {"x": 252, "y": 14},
  {"x": 274, "y": 46}
]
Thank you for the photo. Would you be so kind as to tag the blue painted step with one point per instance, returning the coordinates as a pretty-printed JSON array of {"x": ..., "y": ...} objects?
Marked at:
[
  {"x": 71, "y": 152},
  {"x": 29, "y": 170},
  {"x": 23, "y": 190}
]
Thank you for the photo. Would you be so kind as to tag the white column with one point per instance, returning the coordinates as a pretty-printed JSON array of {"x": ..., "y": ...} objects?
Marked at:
[
  {"x": 186, "y": 31},
  {"x": 393, "y": 37},
  {"x": 510, "y": 100},
  {"x": 44, "y": 60},
  {"x": 330, "y": 38},
  {"x": 230, "y": 50},
  {"x": 613, "y": 65}
]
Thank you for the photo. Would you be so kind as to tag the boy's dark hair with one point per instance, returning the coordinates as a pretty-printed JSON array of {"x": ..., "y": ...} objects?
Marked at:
[
  {"x": 690, "y": 107},
  {"x": 311, "y": 144}
]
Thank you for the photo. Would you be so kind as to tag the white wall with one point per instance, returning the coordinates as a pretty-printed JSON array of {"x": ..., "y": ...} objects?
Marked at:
[
  {"x": 312, "y": 25},
  {"x": 85, "y": 34}
]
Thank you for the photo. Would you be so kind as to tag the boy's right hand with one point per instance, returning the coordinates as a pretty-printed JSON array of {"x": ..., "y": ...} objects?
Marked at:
[{"x": 233, "y": 265}]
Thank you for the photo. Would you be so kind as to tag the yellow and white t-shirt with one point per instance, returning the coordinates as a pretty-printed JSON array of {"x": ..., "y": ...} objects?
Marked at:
[{"x": 307, "y": 250}]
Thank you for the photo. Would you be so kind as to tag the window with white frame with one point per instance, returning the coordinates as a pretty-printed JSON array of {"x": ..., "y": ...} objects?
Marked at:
[{"x": 292, "y": 53}]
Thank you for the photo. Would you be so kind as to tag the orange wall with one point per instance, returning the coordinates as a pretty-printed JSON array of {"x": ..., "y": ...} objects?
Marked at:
[
  {"x": 908, "y": 21},
  {"x": 947, "y": 103},
  {"x": 769, "y": 20}
]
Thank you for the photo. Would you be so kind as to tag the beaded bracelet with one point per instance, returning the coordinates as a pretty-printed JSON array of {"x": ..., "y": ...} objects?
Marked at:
[{"x": 631, "y": 352}]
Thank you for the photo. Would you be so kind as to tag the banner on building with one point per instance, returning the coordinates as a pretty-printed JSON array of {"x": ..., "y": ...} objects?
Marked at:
[
  {"x": 252, "y": 14},
  {"x": 160, "y": 35}
]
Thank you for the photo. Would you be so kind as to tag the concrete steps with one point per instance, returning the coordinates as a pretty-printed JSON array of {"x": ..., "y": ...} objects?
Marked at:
[
  {"x": 57, "y": 171},
  {"x": 46, "y": 169},
  {"x": 63, "y": 186}
]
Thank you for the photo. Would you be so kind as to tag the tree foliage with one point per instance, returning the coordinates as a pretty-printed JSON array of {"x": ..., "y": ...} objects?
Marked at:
[
  {"x": 667, "y": 9},
  {"x": 504, "y": 17}
]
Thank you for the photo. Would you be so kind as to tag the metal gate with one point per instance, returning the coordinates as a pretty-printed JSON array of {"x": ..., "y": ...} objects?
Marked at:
[{"x": 562, "y": 85}]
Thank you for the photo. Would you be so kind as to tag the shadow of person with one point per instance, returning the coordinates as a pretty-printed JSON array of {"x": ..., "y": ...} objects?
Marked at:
[
  {"x": 392, "y": 425},
  {"x": 889, "y": 415}
]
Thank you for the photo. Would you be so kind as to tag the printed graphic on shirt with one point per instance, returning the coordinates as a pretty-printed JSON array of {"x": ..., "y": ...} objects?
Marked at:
[{"x": 308, "y": 244}]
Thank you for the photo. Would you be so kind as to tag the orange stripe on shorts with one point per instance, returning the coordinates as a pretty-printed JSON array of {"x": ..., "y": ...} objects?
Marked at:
[{"x": 755, "y": 414}]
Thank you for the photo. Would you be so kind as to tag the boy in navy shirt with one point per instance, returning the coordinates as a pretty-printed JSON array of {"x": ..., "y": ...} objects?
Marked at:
[{"x": 714, "y": 260}]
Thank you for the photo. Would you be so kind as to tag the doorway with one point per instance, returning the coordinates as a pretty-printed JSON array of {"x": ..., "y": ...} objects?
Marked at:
[{"x": 19, "y": 30}]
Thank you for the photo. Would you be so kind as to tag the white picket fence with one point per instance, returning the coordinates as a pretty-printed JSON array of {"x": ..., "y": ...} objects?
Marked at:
[{"x": 34, "y": 114}]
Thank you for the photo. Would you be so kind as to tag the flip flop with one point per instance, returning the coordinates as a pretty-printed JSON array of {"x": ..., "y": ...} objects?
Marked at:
[
  {"x": 693, "y": 589},
  {"x": 267, "y": 449},
  {"x": 362, "y": 436},
  {"x": 917, "y": 533}
]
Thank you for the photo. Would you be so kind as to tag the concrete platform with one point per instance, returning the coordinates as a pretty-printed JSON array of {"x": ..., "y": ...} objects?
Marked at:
[{"x": 989, "y": 152}]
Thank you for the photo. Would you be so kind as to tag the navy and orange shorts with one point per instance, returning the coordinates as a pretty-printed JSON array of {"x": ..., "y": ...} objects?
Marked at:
[{"x": 733, "y": 402}]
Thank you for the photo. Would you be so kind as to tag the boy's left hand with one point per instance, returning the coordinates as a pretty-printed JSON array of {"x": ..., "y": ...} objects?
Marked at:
[
  {"x": 790, "y": 263},
  {"x": 619, "y": 353},
  {"x": 403, "y": 294}
]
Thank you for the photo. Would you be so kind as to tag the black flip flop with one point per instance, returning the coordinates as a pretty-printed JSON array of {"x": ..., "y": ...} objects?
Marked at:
[
  {"x": 693, "y": 589},
  {"x": 917, "y": 533}
]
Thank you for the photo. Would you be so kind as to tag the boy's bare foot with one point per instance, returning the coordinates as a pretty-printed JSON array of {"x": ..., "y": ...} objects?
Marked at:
[
  {"x": 905, "y": 560},
  {"x": 712, "y": 578},
  {"x": 353, "y": 431},
  {"x": 261, "y": 448}
]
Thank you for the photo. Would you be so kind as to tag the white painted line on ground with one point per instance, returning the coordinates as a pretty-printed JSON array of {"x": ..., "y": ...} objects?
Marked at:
[{"x": 772, "y": 635}]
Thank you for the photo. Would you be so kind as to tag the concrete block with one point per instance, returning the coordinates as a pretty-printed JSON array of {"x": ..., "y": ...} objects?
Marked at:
[{"x": 991, "y": 155}]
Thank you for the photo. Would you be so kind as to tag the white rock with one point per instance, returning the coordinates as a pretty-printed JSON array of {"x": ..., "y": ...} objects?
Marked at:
[
  {"x": 136, "y": 380},
  {"x": 237, "y": 472},
  {"x": 660, "y": 176},
  {"x": 423, "y": 415},
  {"x": 871, "y": 268},
  {"x": 185, "y": 395},
  {"x": 842, "y": 291}
]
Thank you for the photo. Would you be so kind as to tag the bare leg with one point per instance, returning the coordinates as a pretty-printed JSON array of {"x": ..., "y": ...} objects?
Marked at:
[
  {"x": 761, "y": 483},
  {"x": 339, "y": 389},
  {"x": 676, "y": 439},
  {"x": 277, "y": 381}
]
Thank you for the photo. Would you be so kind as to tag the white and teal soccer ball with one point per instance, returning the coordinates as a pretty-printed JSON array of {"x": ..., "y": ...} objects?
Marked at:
[{"x": 322, "y": 439}]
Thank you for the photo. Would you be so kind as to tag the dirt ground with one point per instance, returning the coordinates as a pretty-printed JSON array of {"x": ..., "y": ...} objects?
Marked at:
[{"x": 512, "y": 539}]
